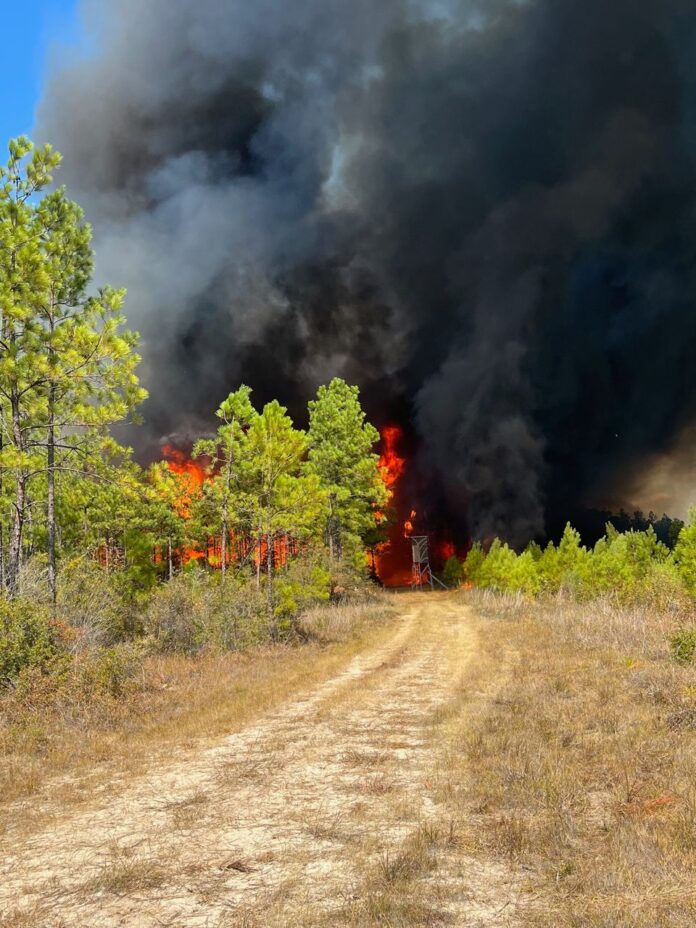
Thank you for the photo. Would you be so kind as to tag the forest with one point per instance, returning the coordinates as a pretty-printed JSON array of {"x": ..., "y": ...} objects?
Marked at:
[{"x": 220, "y": 545}]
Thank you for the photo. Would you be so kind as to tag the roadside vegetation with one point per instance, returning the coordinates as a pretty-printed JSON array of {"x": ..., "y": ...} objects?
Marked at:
[{"x": 574, "y": 759}]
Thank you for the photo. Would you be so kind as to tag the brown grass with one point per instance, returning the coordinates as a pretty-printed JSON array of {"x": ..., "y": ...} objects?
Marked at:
[
  {"x": 83, "y": 738},
  {"x": 572, "y": 770}
]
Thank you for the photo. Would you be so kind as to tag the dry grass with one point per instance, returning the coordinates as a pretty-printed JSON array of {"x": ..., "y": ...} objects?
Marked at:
[
  {"x": 575, "y": 768},
  {"x": 126, "y": 874},
  {"x": 176, "y": 700}
]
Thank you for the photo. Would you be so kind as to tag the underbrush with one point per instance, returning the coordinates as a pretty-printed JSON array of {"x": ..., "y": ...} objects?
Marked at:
[{"x": 580, "y": 764}]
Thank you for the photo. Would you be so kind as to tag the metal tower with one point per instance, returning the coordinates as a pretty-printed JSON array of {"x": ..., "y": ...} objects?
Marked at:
[{"x": 422, "y": 573}]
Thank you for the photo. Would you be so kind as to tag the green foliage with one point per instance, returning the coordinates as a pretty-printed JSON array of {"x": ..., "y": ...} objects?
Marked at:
[
  {"x": 27, "y": 639},
  {"x": 630, "y": 566},
  {"x": 683, "y": 645},
  {"x": 341, "y": 455},
  {"x": 194, "y": 612},
  {"x": 67, "y": 370},
  {"x": 685, "y": 554},
  {"x": 94, "y": 602},
  {"x": 474, "y": 563},
  {"x": 306, "y": 583},
  {"x": 109, "y": 671},
  {"x": 453, "y": 572}
]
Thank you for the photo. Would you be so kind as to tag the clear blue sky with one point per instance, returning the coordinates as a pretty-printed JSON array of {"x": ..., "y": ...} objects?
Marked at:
[{"x": 32, "y": 28}]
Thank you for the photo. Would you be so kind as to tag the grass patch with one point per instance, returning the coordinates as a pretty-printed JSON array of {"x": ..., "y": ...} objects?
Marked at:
[{"x": 571, "y": 767}]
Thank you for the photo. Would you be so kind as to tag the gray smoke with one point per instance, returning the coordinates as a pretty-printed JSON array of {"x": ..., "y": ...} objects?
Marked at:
[{"x": 481, "y": 212}]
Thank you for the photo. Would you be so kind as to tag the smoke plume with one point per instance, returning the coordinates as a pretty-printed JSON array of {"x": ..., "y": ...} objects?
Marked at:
[{"x": 483, "y": 213}]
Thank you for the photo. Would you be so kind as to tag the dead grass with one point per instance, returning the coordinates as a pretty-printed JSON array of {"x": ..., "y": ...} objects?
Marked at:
[
  {"x": 395, "y": 890},
  {"x": 572, "y": 769},
  {"x": 126, "y": 874},
  {"x": 176, "y": 701}
]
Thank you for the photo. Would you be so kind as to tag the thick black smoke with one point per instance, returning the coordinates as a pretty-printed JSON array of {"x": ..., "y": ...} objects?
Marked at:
[{"x": 483, "y": 212}]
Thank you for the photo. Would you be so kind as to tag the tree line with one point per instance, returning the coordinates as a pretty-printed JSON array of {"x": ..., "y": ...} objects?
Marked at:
[
  {"x": 68, "y": 373},
  {"x": 632, "y": 566}
]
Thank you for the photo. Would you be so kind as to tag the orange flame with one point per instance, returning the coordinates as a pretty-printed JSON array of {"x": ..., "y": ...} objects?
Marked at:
[
  {"x": 393, "y": 558},
  {"x": 391, "y": 462}
]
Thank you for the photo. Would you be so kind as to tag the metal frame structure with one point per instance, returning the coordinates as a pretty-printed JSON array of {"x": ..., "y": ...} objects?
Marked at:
[{"x": 422, "y": 574}]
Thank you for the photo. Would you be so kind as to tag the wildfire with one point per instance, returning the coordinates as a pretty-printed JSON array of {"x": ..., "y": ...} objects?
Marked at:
[
  {"x": 392, "y": 464},
  {"x": 446, "y": 550},
  {"x": 191, "y": 477},
  {"x": 393, "y": 558}
]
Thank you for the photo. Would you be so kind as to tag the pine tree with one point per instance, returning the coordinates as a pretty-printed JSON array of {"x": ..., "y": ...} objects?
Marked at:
[
  {"x": 67, "y": 371},
  {"x": 225, "y": 455},
  {"x": 341, "y": 444}
]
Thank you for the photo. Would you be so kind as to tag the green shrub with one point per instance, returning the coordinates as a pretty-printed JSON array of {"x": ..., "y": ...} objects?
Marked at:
[
  {"x": 453, "y": 572},
  {"x": 94, "y": 601},
  {"x": 194, "y": 611},
  {"x": 683, "y": 645},
  {"x": 303, "y": 585},
  {"x": 27, "y": 639},
  {"x": 474, "y": 563},
  {"x": 109, "y": 670},
  {"x": 685, "y": 554}
]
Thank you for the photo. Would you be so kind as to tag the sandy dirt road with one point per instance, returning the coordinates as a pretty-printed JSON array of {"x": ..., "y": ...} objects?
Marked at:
[{"x": 301, "y": 819}]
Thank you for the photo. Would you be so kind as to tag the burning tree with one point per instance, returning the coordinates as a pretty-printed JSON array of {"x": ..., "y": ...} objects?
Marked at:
[{"x": 225, "y": 454}]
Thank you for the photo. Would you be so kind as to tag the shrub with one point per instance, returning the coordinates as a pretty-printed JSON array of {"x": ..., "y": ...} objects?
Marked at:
[
  {"x": 685, "y": 554},
  {"x": 303, "y": 585},
  {"x": 108, "y": 670},
  {"x": 453, "y": 572},
  {"x": 683, "y": 645},
  {"x": 496, "y": 572},
  {"x": 27, "y": 639},
  {"x": 194, "y": 611},
  {"x": 94, "y": 601},
  {"x": 474, "y": 563}
]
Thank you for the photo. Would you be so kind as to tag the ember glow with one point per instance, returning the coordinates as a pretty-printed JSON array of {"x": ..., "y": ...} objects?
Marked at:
[
  {"x": 393, "y": 558},
  {"x": 192, "y": 476},
  {"x": 393, "y": 465}
]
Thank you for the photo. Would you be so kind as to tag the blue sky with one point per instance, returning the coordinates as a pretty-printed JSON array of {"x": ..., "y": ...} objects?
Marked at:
[{"x": 32, "y": 28}]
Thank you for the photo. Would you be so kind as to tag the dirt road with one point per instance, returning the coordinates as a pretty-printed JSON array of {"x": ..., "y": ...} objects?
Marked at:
[{"x": 322, "y": 813}]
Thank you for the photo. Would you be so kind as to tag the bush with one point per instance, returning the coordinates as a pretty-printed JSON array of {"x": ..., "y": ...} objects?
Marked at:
[
  {"x": 474, "y": 563},
  {"x": 27, "y": 639},
  {"x": 303, "y": 585},
  {"x": 108, "y": 670},
  {"x": 683, "y": 645},
  {"x": 194, "y": 611},
  {"x": 685, "y": 554},
  {"x": 453, "y": 572},
  {"x": 94, "y": 601}
]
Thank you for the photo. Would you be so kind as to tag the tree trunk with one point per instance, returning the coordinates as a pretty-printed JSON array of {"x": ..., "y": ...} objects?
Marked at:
[
  {"x": 223, "y": 544},
  {"x": 259, "y": 542},
  {"x": 3, "y": 553},
  {"x": 170, "y": 557},
  {"x": 51, "y": 498},
  {"x": 19, "y": 510},
  {"x": 269, "y": 567},
  {"x": 16, "y": 533}
]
